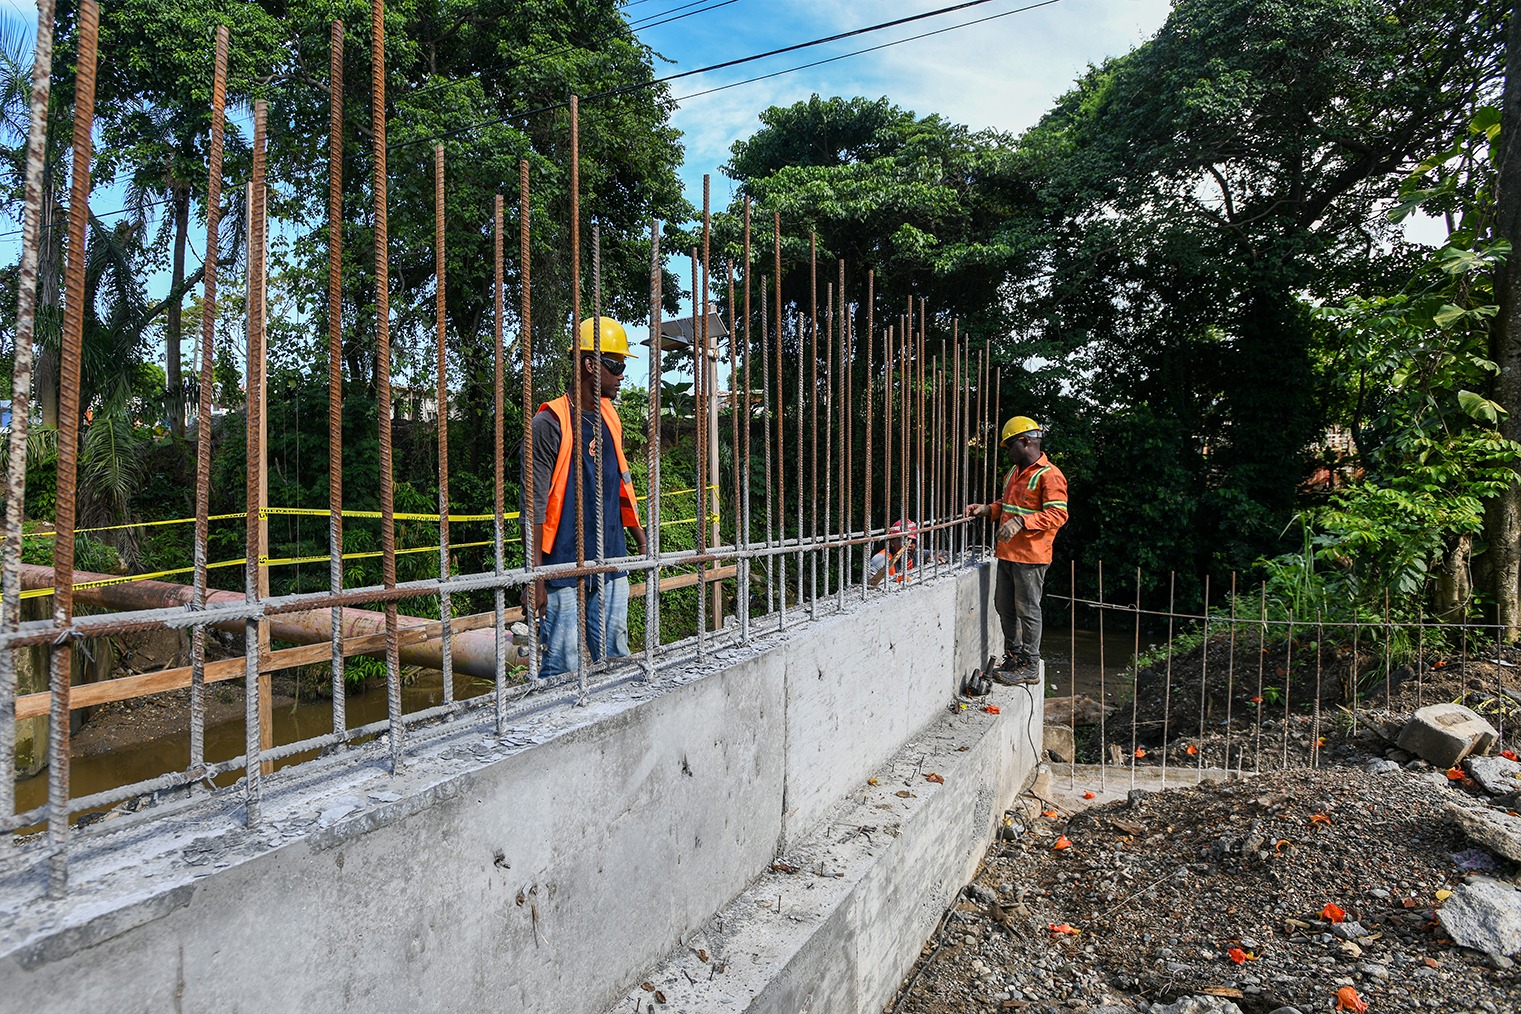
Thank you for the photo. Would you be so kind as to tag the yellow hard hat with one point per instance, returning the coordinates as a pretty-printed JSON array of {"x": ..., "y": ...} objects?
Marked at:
[
  {"x": 614, "y": 338},
  {"x": 1018, "y": 425}
]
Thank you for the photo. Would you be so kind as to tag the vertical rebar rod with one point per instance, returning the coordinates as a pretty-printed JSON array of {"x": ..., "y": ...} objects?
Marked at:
[
  {"x": 705, "y": 403},
  {"x": 1320, "y": 640},
  {"x": 1103, "y": 690},
  {"x": 440, "y": 284},
  {"x": 773, "y": 474},
  {"x": 1261, "y": 671},
  {"x": 1172, "y": 588},
  {"x": 744, "y": 566},
  {"x": 700, "y": 537},
  {"x": 996, "y": 426},
  {"x": 1203, "y": 683},
  {"x": 1072, "y": 676},
  {"x": 1135, "y": 676},
  {"x": 383, "y": 375},
  {"x": 802, "y": 487},
  {"x": 921, "y": 448},
  {"x": 21, "y": 381},
  {"x": 888, "y": 460},
  {"x": 652, "y": 514},
  {"x": 1352, "y": 690},
  {"x": 1288, "y": 681},
  {"x": 813, "y": 419},
  {"x": 527, "y": 515},
  {"x": 334, "y": 360},
  {"x": 203, "y": 401},
  {"x": 598, "y": 504},
  {"x": 905, "y": 419},
  {"x": 1230, "y": 675},
  {"x": 256, "y": 550},
  {"x": 578, "y": 408},
  {"x": 61, "y": 673},
  {"x": 828, "y": 404},
  {"x": 781, "y": 443},
  {"x": 867, "y": 472}
]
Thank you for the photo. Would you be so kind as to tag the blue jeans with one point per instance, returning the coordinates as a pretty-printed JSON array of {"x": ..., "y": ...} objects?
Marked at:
[{"x": 558, "y": 634}]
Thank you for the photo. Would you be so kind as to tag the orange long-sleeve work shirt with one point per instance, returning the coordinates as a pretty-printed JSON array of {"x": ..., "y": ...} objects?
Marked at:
[{"x": 1037, "y": 493}]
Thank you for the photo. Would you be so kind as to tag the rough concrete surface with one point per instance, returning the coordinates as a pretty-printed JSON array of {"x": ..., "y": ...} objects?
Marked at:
[
  {"x": 838, "y": 920},
  {"x": 545, "y": 870}
]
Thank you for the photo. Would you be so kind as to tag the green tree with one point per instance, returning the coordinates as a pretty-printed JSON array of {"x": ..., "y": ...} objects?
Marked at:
[{"x": 1195, "y": 190}]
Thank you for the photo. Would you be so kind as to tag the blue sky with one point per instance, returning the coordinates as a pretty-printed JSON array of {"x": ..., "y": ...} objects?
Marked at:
[{"x": 1003, "y": 73}]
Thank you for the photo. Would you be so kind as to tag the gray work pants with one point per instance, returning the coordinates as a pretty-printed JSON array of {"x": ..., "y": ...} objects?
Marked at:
[{"x": 1017, "y": 599}]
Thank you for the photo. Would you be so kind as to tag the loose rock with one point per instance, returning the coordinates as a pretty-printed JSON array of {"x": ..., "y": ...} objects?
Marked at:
[
  {"x": 1485, "y": 915},
  {"x": 1495, "y": 775},
  {"x": 1443, "y": 734}
]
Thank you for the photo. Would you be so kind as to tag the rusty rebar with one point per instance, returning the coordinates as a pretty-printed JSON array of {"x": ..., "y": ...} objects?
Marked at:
[
  {"x": 203, "y": 407},
  {"x": 383, "y": 375},
  {"x": 254, "y": 541},
  {"x": 21, "y": 380},
  {"x": 440, "y": 287},
  {"x": 1103, "y": 690},
  {"x": 773, "y": 474},
  {"x": 868, "y": 472},
  {"x": 888, "y": 431},
  {"x": 744, "y": 581},
  {"x": 706, "y": 452},
  {"x": 61, "y": 674},
  {"x": 334, "y": 355},
  {"x": 652, "y": 533},
  {"x": 500, "y": 639},
  {"x": 829, "y": 430},
  {"x": 781, "y": 443},
  {"x": 701, "y": 421},
  {"x": 1203, "y": 681},
  {"x": 598, "y": 504},
  {"x": 813, "y": 419},
  {"x": 577, "y": 400}
]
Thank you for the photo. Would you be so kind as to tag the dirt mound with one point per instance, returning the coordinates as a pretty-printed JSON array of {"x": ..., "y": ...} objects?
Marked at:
[{"x": 1163, "y": 887}]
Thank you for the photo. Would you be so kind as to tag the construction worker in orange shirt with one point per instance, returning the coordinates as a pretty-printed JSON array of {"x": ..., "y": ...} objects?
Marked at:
[
  {"x": 608, "y": 514},
  {"x": 1033, "y": 507}
]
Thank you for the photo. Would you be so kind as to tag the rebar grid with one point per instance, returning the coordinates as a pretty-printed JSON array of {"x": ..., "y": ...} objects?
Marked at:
[{"x": 921, "y": 436}]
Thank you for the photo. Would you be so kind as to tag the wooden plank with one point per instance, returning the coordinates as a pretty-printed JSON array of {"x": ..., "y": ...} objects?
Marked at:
[{"x": 126, "y": 688}]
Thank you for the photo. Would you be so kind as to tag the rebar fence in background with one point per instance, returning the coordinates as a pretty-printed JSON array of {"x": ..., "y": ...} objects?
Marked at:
[
  {"x": 1252, "y": 680},
  {"x": 842, "y": 418}
]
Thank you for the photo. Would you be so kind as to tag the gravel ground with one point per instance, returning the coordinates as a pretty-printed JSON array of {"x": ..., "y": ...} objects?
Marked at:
[{"x": 1163, "y": 885}]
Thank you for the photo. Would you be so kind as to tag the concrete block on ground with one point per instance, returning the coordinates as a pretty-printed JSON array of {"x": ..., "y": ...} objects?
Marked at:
[
  {"x": 1484, "y": 915},
  {"x": 1443, "y": 734},
  {"x": 1060, "y": 744}
]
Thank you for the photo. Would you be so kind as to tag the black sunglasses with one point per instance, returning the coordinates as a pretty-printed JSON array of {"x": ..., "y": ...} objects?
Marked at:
[{"x": 614, "y": 365}]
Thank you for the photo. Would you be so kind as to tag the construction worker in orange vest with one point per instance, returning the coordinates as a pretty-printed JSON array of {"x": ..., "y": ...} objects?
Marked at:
[
  {"x": 900, "y": 556},
  {"x": 1033, "y": 507},
  {"x": 609, "y": 510}
]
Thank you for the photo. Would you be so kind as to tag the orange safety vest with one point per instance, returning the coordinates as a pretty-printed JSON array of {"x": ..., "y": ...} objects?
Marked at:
[
  {"x": 559, "y": 483},
  {"x": 1037, "y": 493}
]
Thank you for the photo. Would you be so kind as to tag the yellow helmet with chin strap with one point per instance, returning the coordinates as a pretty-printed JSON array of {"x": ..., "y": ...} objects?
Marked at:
[
  {"x": 1018, "y": 426},
  {"x": 614, "y": 338}
]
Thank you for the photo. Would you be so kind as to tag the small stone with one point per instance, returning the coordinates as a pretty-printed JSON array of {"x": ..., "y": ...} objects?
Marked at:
[
  {"x": 1398, "y": 756},
  {"x": 979, "y": 893},
  {"x": 1379, "y": 766},
  {"x": 1379, "y": 892},
  {"x": 1348, "y": 930},
  {"x": 1347, "y": 949},
  {"x": 1373, "y": 971}
]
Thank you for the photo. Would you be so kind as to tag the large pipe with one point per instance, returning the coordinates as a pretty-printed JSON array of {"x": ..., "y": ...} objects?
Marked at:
[{"x": 472, "y": 651}]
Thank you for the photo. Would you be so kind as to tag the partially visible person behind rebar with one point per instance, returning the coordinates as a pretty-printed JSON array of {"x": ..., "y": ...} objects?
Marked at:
[
  {"x": 901, "y": 556},
  {"x": 1033, "y": 507},
  {"x": 609, "y": 508}
]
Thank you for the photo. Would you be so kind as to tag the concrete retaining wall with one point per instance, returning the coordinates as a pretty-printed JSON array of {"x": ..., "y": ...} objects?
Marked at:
[{"x": 545, "y": 872}]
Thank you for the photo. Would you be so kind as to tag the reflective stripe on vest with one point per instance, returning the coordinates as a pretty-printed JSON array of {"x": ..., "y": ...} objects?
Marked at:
[{"x": 559, "y": 480}]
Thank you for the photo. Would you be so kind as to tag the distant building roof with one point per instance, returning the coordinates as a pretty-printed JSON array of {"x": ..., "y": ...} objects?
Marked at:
[{"x": 676, "y": 333}]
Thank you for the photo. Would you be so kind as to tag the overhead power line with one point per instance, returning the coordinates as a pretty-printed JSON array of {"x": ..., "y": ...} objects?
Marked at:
[
  {"x": 860, "y": 52},
  {"x": 723, "y": 65}
]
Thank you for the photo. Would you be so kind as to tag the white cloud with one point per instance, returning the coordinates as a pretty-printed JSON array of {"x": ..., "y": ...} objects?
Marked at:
[{"x": 1003, "y": 74}]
